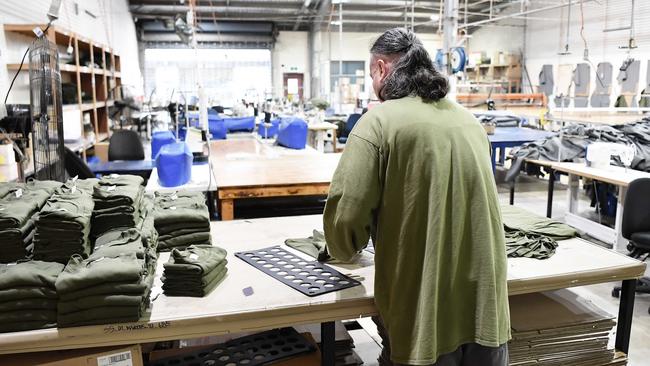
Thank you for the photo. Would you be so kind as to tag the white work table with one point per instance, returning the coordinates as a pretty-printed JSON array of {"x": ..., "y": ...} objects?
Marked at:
[
  {"x": 273, "y": 304},
  {"x": 618, "y": 176}
]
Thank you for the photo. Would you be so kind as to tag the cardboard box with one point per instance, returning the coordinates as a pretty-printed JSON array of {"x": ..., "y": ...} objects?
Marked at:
[
  {"x": 101, "y": 151},
  {"x": 105, "y": 356}
]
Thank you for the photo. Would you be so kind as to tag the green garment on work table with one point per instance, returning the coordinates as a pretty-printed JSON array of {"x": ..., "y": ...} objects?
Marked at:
[
  {"x": 196, "y": 292},
  {"x": 193, "y": 226},
  {"x": 121, "y": 180},
  {"x": 532, "y": 236},
  {"x": 112, "y": 196},
  {"x": 79, "y": 274},
  {"x": 136, "y": 288},
  {"x": 175, "y": 215},
  {"x": 196, "y": 259},
  {"x": 180, "y": 279},
  {"x": 101, "y": 315},
  {"x": 29, "y": 274},
  {"x": 15, "y": 210},
  {"x": 119, "y": 241},
  {"x": 98, "y": 301},
  {"x": 28, "y": 304},
  {"x": 27, "y": 292},
  {"x": 168, "y": 242},
  {"x": 417, "y": 177},
  {"x": 27, "y": 315},
  {"x": 27, "y": 325},
  {"x": 172, "y": 196},
  {"x": 314, "y": 246}
]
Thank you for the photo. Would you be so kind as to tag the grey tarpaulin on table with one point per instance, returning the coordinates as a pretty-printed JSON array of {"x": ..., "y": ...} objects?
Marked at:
[{"x": 575, "y": 138}]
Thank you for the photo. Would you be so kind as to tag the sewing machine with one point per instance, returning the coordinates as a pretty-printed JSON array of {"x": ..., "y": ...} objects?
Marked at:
[{"x": 599, "y": 154}]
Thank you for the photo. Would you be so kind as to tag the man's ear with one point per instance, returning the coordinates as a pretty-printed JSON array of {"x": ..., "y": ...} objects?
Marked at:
[{"x": 381, "y": 65}]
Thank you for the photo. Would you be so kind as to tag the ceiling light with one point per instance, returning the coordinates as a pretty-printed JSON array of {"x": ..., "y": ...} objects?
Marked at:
[
  {"x": 335, "y": 22},
  {"x": 339, "y": 1},
  {"x": 434, "y": 17}
]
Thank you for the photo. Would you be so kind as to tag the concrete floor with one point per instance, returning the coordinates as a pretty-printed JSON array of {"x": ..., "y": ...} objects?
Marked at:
[{"x": 531, "y": 195}]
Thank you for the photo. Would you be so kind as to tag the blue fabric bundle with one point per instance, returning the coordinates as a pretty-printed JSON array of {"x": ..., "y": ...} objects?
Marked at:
[
  {"x": 240, "y": 123},
  {"x": 271, "y": 131},
  {"x": 217, "y": 127},
  {"x": 160, "y": 139},
  {"x": 174, "y": 163},
  {"x": 292, "y": 133}
]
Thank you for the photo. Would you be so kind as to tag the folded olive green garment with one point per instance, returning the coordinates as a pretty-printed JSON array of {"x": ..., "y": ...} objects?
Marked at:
[
  {"x": 85, "y": 185},
  {"x": 28, "y": 304},
  {"x": 99, "y": 301},
  {"x": 48, "y": 186},
  {"x": 27, "y": 315},
  {"x": 16, "y": 211},
  {"x": 111, "y": 196},
  {"x": 532, "y": 236},
  {"x": 101, "y": 315},
  {"x": 21, "y": 293},
  {"x": 175, "y": 215},
  {"x": 179, "y": 279},
  {"x": 314, "y": 246},
  {"x": 121, "y": 180},
  {"x": 120, "y": 241},
  {"x": 197, "y": 292},
  {"x": 136, "y": 288},
  {"x": 29, "y": 274},
  {"x": 196, "y": 258},
  {"x": 26, "y": 325},
  {"x": 173, "y": 196},
  {"x": 79, "y": 273},
  {"x": 183, "y": 240}
]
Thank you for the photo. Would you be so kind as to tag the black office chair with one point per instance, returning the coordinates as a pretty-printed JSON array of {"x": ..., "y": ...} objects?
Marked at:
[
  {"x": 125, "y": 145},
  {"x": 349, "y": 124},
  {"x": 636, "y": 227},
  {"x": 75, "y": 166}
]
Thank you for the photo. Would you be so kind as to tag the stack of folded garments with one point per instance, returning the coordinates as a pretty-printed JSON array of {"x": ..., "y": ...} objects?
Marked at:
[
  {"x": 147, "y": 227},
  {"x": 194, "y": 271},
  {"x": 17, "y": 207},
  {"x": 86, "y": 185},
  {"x": 103, "y": 290},
  {"x": 118, "y": 201},
  {"x": 63, "y": 225},
  {"x": 28, "y": 298},
  {"x": 560, "y": 328},
  {"x": 181, "y": 219}
]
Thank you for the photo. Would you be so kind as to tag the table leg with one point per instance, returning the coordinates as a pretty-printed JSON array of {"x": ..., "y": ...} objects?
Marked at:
[
  {"x": 210, "y": 197},
  {"x": 549, "y": 196},
  {"x": 334, "y": 138},
  {"x": 502, "y": 156},
  {"x": 227, "y": 209},
  {"x": 574, "y": 185},
  {"x": 328, "y": 347},
  {"x": 320, "y": 141},
  {"x": 494, "y": 160},
  {"x": 512, "y": 192},
  {"x": 625, "y": 312},
  {"x": 620, "y": 241}
]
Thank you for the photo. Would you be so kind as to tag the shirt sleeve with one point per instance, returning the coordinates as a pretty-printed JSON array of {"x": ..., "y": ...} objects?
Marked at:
[{"x": 353, "y": 199}]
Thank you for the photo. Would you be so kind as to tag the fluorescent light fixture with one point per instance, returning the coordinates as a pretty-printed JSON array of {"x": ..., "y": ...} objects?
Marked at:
[
  {"x": 335, "y": 22},
  {"x": 434, "y": 17},
  {"x": 339, "y": 1}
]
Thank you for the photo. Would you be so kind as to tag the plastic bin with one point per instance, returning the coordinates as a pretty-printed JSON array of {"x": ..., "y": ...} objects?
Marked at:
[
  {"x": 160, "y": 139},
  {"x": 174, "y": 164}
]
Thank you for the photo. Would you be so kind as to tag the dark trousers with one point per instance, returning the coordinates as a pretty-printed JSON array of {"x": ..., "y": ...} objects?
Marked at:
[{"x": 469, "y": 354}]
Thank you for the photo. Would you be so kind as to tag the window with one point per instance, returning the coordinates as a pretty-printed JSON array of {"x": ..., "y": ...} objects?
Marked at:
[
  {"x": 352, "y": 70},
  {"x": 227, "y": 75}
]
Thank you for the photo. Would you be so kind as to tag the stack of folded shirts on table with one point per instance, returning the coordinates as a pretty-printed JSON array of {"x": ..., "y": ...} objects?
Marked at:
[
  {"x": 118, "y": 201},
  {"x": 194, "y": 271},
  {"x": 147, "y": 228},
  {"x": 17, "y": 207},
  {"x": 28, "y": 296},
  {"x": 181, "y": 219},
  {"x": 559, "y": 328},
  {"x": 63, "y": 225},
  {"x": 103, "y": 290},
  {"x": 86, "y": 185}
]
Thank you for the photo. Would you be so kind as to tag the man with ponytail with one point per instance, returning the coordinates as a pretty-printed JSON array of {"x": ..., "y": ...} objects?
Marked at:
[{"x": 416, "y": 177}]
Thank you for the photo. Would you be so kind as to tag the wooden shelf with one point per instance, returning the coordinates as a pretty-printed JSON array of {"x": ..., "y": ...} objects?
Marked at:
[{"x": 95, "y": 86}]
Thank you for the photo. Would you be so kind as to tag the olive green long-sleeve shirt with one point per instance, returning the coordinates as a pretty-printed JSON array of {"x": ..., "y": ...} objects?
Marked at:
[{"x": 417, "y": 177}]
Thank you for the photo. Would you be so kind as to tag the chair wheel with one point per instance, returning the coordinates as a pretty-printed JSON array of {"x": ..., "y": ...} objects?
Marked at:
[
  {"x": 617, "y": 293},
  {"x": 630, "y": 247}
]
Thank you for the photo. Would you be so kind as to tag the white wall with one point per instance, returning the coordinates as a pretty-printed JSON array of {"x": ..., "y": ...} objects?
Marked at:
[
  {"x": 546, "y": 36},
  {"x": 355, "y": 47},
  {"x": 492, "y": 38},
  {"x": 112, "y": 26},
  {"x": 291, "y": 55}
]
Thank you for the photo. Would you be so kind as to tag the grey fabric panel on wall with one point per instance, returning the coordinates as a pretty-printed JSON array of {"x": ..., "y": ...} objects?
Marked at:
[
  {"x": 602, "y": 92},
  {"x": 546, "y": 83}
]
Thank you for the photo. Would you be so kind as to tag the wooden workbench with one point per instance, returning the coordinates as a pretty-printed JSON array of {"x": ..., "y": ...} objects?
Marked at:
[
  {"x": 273, "y": 304},
  {"x": 245, "y": 169}
]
